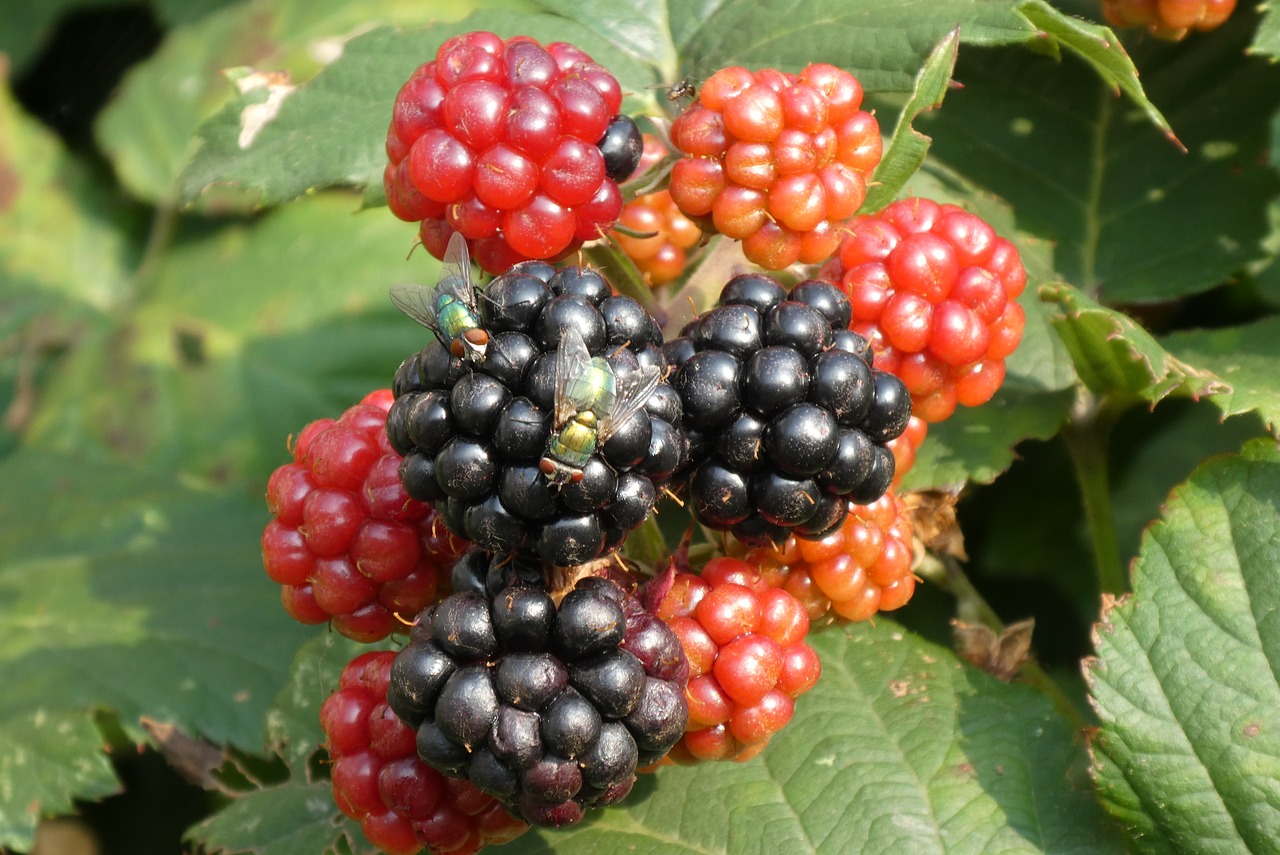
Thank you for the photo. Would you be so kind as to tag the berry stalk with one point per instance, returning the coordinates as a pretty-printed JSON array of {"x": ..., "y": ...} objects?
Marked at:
[{"x": 1087, "y": 435}]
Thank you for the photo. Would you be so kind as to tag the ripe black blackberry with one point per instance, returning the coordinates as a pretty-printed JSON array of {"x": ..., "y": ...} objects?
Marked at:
[
  {"x": 791, "y": 419},
  {"x": 547, "y": 709},
  {"x": 497, "y": 441}
]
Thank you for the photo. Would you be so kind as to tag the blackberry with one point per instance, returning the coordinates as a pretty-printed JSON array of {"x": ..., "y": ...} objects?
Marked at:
[
  {"x": 548, "y": 710},
  {"x": 786, "y": 419},
  {"x": 537, "y": 420}
]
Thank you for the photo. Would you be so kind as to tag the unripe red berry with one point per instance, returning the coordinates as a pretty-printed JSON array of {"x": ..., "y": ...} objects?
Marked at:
[
  {"x": 744, "y": 640},
  {"x": 500, "y": 141},
  {"x": 1168, "y": 19},
  {"x": 848, "y": 574},
  {"x": 779, "y": 161},
  {"x": 933, "y": 289},
  {"x": 346, "y": 543}
]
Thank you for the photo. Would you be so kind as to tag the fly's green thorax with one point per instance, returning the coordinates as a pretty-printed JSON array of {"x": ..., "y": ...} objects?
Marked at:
[
  {"x": 454, "y": 316},
  {"x": 593, "y": 389}
]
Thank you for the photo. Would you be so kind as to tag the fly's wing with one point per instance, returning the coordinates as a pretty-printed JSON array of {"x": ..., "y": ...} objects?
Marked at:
[
  {"x": 633, "y": 392},
  {"x": 455, "y": 271},
  {"x": 572, "y": 362},
  {"x": 419, "y": 303}
]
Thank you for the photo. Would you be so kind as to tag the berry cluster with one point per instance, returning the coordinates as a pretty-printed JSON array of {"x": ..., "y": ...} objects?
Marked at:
[
  {"x": 1168, "y": 19},
  {"x": 934, "y": 290},
  {"x": 345, "y": 542},
  {"x": 401, "y": 803},
  {"x": 748, "y": 660},
  {"x": 859, "y": 569},
  {"x": 662, "y": 236},
  {"x": 778, "y": 161},
  {"x": 516, "y": 146},
  {"x": 657, "y": 235},
  {"x": 548, "y": 413},
  {"x": 555, "y": 435},
  {"x": 787, "y": 420},
  {"x": 547, "y": 708}
]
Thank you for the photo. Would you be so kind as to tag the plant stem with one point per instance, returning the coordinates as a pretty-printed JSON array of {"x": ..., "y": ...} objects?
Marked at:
[
  {"x": 1086, "y": 436},
  {"x": 946, "y": 572}
]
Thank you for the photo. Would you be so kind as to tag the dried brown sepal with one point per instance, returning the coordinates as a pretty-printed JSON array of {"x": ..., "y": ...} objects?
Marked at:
[
  {"x": 933, "y": 518},
  {"x": 1002, "y": 655},
  {"x": 622, "y": 571}
]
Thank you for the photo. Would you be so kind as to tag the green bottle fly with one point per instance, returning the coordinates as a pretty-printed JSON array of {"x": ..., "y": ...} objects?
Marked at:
[
  {"x": 449, "y": 308},
  {"x": 591, "y": 404}
]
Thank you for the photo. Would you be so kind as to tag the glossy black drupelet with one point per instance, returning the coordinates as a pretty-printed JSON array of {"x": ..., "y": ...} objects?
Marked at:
[
  {"x": 549, "y": 710},
  {"x": 787, "y": 421},
  {"x": 472, "y": 434},
  {"x": 621, "y": 145}
]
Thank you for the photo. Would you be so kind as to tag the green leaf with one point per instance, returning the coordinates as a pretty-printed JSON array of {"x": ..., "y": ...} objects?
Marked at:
[
  {"x": 899, "y": 748},
  {"x": 148, "y": 129},
  {"x": 1184, "y": 681},
  {"x": 1115, "y": 356},
  {"x": 288, "y": 819},
  {"x": 246, "y": 332},
  {"x": 1244, "y": 357},
  {"x": 637, "y": 27},
  {"x": 176, "y": 12},
  {"x": 151, "y": 602},
  {"x": 907, "y": 148},
  {"x": 59, "y": 231},
  {"x": 977, "y": 443},
  {"x": 1132, "y": 215},
  {"x": 1267, "y": 39},
  {"x": 293, "y": 722},
  {"x": 298, "y": 815},
  {"x": 25, "y": 27},
  {"x": 883, "y": 44},
  {"x": 332, "y": 131},
  {"x": 1153, "y": 452},
  {"x": 1098, "y": 46},
  {"x": 47, "y": 756}
]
